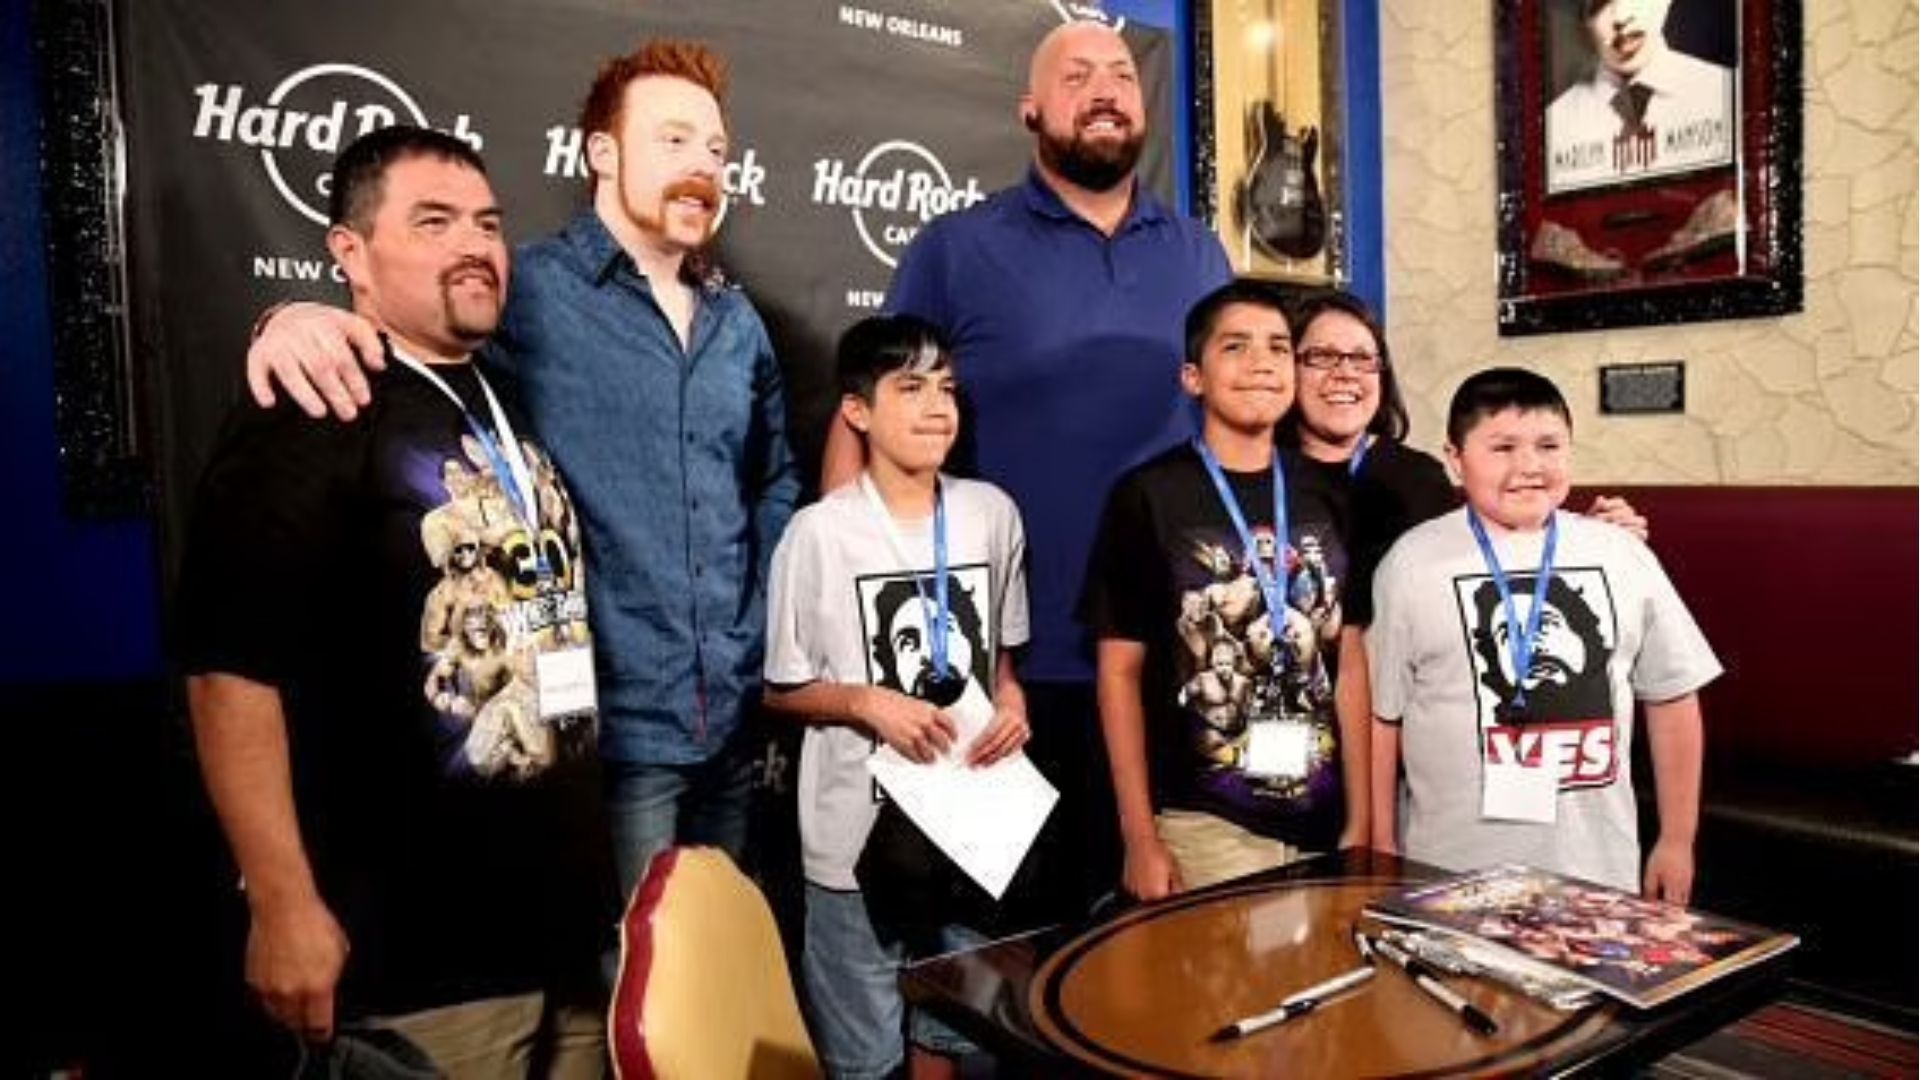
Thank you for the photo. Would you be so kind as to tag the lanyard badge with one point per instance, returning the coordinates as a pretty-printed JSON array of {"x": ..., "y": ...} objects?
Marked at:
[
  {"x": 945, "y": 684},
  {"x": 1278, "y": 746},
  {"x": 1520, "y": 645},
  {"x": 1519, "y": 790},
  {"x": 562, "y": 675}
]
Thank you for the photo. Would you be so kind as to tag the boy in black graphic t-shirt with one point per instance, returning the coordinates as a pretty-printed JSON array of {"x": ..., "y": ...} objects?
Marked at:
[
  {"x": 384, "y": 624},
  {"x": 1215, "y": 593}
]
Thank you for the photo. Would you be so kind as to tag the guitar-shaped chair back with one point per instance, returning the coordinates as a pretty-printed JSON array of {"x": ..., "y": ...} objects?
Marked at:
[{"x": 703, "y": 991}]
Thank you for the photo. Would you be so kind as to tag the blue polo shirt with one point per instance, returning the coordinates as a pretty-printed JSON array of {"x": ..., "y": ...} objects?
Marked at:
[
  {"x": 1067, "y": 345},
  {"x": 679, "y": 466}
]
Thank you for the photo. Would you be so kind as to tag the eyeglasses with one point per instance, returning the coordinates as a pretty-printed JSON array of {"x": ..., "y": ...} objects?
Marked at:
[{"x": 1322, "y": 358}]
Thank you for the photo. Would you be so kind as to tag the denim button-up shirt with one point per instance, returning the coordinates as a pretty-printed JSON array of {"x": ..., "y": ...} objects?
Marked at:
[{"x": 679, "y": 467}]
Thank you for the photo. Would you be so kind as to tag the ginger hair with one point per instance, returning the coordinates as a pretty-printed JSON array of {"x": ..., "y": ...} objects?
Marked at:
[{"x": 689, "y": 60}]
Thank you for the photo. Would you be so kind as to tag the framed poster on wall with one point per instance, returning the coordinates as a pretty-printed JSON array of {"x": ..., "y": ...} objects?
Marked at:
[
  {"x": 1268, "y": 135},
  {"x": 1649, "y": 157}
]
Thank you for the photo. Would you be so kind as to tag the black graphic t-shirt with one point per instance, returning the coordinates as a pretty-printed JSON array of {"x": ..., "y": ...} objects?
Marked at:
[
  {"x": 1396, "y": 488},
  {"x": 377, "y": 575},
  {"x": 1169, "y": 570}
]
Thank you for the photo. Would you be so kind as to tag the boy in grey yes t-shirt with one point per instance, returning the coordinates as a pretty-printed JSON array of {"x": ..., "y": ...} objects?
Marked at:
[
  {"x": 853, "y": 649},
  {"x": 1513, "y": 716}
]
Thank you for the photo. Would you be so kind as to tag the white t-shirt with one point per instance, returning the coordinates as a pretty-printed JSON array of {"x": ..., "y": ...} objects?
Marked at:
[
  {"x": 1614, "y": 630},
  {"x": 1690, "y": 120},
  {"x": 843, "y": 607}
]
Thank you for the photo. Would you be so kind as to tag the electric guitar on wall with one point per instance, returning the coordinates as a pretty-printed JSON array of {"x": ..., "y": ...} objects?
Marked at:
[{"x": 1278, "y": 202}]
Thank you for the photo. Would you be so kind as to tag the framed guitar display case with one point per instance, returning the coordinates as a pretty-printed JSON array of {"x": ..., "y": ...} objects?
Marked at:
[{"x": 1268, "y": 136}]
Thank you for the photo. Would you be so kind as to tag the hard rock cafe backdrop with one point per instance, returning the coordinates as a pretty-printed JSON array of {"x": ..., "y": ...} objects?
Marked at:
[{"x": 852, "y": 126}]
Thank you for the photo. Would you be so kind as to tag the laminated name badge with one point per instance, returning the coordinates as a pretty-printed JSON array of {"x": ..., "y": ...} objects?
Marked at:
[
  {"x": 1517, "y": 791},
  {"x": 1277, "y": 746},
  {"x": 564, "y": 681}
]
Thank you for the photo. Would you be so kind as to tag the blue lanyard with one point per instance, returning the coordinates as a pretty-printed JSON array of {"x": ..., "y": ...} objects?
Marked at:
[
  {"x": 1519, "y": 647},
  {"x": 934, "y": 610},
  {"x": 1360, "y": 453},
  {"x": 498, "y": 462},
  {"x": 937, "y": 625},
  {"x": 1269, "y": 580}
]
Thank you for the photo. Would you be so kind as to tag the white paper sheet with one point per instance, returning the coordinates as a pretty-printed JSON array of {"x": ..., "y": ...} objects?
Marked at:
[{"x": 983, "y": 819}]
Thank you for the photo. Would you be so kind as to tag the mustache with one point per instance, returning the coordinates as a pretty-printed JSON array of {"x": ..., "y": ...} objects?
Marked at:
[
  {"x": 1549, "y": 668},
  {"x": 694, "y": 187},
  {"x": 471, "y": 266}
]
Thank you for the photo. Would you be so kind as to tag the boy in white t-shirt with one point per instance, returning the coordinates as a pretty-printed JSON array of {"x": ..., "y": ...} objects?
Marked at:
[
  {"x": 894, "y": 604},
  {"x": 1513, "y": 715}
]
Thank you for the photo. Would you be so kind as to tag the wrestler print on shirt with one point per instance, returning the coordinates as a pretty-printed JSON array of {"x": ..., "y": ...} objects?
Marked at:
[
  {"x": 1238, "y": 662},
  {"x": 491, "y": 613},
  {"x": 894, "y": 621},
  {"x": 1568, "y": 713}
]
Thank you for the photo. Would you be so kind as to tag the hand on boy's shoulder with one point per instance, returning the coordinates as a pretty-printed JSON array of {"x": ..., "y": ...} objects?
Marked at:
[{"x": 1619, "y": 512}]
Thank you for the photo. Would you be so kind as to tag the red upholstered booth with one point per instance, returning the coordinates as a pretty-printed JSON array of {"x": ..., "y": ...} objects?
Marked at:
[
  {"x": 1808, "y": 595},
  {"x": 1808, "y": 816}
]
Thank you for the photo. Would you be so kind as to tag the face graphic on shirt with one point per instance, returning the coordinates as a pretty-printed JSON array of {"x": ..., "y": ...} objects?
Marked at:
[
  {"x": 1566, "y": 677},
  {"x": 901, "y": 649}
]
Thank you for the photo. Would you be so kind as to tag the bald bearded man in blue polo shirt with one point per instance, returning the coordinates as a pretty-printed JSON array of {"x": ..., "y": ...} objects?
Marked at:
[{"x": 1064, "y": 297}]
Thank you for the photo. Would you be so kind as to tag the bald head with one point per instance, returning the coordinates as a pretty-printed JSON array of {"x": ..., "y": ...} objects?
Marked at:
[
  {"x": 1088, "y": 41},
  {"x": 1084, "y": 107}
]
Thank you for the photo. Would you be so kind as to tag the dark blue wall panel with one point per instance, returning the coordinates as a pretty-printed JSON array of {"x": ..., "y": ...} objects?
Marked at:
[{"x": 81, "y": 596}]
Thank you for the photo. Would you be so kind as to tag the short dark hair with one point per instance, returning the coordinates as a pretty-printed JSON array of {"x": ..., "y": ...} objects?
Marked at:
[
  {"x": 879, "y": 345},
  {"x": 360, "y": 172},
  {"x": 1204, "y": 315},
  {"x": 1496, "y": 390},
  {"x": 1390, "y": 418}
]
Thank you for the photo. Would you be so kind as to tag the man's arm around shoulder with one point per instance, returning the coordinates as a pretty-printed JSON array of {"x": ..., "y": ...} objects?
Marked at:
[{"x": 315, "y": 352}]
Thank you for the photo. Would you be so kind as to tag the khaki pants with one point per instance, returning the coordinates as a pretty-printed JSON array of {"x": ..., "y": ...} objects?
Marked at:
[
  {"x": 1207, "y": 849},
  {"x": 509, "y": 1038}
]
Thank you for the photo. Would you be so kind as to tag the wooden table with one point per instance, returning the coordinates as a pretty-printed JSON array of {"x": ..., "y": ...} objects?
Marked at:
[{"x": 1140, "y": 993}]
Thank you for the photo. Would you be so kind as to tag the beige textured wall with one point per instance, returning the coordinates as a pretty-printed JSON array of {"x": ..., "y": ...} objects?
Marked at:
[{"x": 1824, "y": 397}]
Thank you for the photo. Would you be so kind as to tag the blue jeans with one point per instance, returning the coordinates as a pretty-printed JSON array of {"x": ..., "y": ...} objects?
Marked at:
[
  {"x": 853, "y": 990},
  {"x": 652, "y": 807}
]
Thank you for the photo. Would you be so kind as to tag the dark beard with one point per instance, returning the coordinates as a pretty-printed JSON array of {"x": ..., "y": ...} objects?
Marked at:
[
  {"x": 942, "y": 692},
  {"x": 1090, "y": 167}
]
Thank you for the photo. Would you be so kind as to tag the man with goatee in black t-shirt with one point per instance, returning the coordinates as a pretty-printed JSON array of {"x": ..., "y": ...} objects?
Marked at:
[{"x": 390, "y": 677}]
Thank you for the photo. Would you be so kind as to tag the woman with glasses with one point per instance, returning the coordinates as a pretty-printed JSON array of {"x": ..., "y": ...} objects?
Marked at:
[{"x": 1348, "y": 420}]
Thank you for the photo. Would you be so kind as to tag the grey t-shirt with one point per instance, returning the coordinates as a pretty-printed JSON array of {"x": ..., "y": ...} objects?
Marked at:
[
  {"x": 845, "y": 607},
  {"x": 1614, "y": 631}
]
